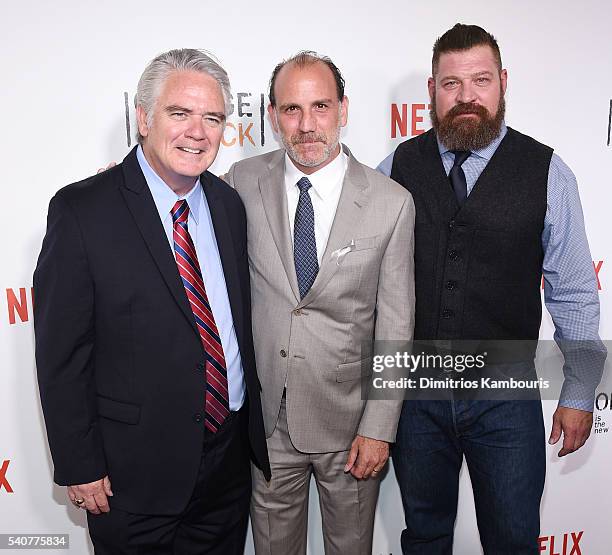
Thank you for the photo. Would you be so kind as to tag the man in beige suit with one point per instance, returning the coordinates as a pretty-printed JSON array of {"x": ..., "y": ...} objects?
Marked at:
[{"x": 330, "y": 245}]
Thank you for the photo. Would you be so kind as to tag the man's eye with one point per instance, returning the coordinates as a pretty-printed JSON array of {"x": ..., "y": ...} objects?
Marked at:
[
  {"x": 482, "y": 80},
  {"x": 321, "y": 106},
  {"x": 212, "y": 122},
  {"x": 178, "y": 115},
  {"x": 450, "y": 84}
]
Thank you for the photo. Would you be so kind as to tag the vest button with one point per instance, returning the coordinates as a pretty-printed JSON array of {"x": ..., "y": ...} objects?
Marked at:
[
  {"x": 453, "y": 255},
  {"x": 451, "y": 224},
  {"x": 447, "y": 313},
  {"x": 197, "y": 418},
  {"x": 283, "y": 353},
  {"x": 450, "y": 285}
]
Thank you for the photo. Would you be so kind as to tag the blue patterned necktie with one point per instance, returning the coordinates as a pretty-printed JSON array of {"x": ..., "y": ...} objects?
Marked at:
[
  {"x": 304, "y": 244},
  {"x": 457, "y": 176}
]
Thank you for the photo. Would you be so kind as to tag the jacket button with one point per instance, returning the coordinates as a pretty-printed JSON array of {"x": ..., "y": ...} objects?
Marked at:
[
  {"x": 197, "y": 418},
  {"x": 200, "y": 367},
  {"x": 451, "y": 224},
  {"x": 453, "y": 255},
  {"x": 450, "y": 285},
  {"x": 297, "y": 312},
  {"x": 447, "y": 313},
  {"x": 283, "y": 353}
]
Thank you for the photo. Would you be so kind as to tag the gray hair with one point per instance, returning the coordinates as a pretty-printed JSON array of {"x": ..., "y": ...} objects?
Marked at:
[{"x": 184, "y": 59}]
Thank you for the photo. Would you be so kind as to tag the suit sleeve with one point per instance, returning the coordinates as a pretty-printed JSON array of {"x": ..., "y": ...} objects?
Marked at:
[
  {"x": 64, "y": 330},
  {"x": 394, "y": 316}
]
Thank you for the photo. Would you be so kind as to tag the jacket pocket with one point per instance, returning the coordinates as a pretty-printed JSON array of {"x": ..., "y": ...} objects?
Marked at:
[
  {"x": 354, "y": 370},
  {"x": 120, "y": 411}
]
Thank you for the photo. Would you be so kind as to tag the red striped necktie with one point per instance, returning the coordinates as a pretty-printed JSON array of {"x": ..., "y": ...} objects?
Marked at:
[{"x": 217, "y": 396}]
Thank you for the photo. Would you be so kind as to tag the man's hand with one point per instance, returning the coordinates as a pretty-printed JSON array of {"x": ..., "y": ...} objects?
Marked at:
[
  {"x": 367, "y": 457},
  {"x": 92, "y": 496},
  {"x": 110, "y": 165},
  {"x": 576, "y": 426}
]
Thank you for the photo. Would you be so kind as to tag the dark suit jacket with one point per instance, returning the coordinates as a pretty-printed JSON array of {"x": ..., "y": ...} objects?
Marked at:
[{"x": 120, "y": 362}]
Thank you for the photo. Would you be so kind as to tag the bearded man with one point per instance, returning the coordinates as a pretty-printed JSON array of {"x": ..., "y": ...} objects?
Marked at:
[
  {"x": 330, "y": 245},
  {"x": 495, "y": 209}
]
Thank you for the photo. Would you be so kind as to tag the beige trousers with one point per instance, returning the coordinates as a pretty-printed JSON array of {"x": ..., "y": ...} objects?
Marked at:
[{"x": 279, "y": 508}]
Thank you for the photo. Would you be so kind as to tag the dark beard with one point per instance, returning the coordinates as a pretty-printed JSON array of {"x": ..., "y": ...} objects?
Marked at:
[{"x": 466, "y": 133}]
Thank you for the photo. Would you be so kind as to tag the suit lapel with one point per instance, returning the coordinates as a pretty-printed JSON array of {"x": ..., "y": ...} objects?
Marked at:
[
  {"x": 353, "y": 199},
  {"x": 225, "y": 243},
  {"x": 142, "y": 207},
  {"x": 274, "y": 196}
]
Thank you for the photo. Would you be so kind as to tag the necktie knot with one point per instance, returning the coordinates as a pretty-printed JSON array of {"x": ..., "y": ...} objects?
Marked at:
[
  {"x": 180, "y": 211},
  {"x": 304, "y": 184},
  {"x": 460, "y": 157}
]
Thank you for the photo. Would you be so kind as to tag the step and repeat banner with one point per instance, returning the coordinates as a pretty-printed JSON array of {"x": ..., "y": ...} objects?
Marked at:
[{"x": 70, "y": 70}]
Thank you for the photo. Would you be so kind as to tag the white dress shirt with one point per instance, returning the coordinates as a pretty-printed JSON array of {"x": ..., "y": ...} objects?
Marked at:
[{"x": 324, "y": 195}]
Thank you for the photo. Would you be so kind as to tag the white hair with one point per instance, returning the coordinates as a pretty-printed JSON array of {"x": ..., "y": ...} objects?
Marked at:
[{"x": 183, "y": 59}]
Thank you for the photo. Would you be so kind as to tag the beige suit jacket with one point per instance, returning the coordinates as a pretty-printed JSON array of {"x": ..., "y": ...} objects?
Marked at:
[{"x": 364, "y": 290}]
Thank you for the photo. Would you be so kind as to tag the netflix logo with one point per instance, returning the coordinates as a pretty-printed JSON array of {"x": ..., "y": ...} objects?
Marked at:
[
  {"x": 19, "y": 304},
  {"x": 5, "y": 486},
  {"x": 567, "y": 544},
  {"x": 409, "y": 119}
]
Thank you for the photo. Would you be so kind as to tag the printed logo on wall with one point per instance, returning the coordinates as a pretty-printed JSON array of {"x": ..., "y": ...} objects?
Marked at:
[
  {"x": 603, "y": 410},
  {"x": 413, "y": 114},
  {"x": 566, "y": 544},
  {"x": 20, "y": 304},
  {"x": 609, "y": 122},
  {"x": 248, "y": 124},
  {"x": 4, "y": 483},
  {"x": 246, "y": 127}
]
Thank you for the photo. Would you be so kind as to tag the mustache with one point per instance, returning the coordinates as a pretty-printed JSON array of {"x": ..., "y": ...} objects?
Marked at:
[
  {"x": 467, "y": 108},
  {"x": 308, "y": 138}
]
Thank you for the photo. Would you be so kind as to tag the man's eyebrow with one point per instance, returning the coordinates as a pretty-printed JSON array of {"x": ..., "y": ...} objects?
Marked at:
[
  {"x": 177, "y": 108},
  {"x": 482, "y": 73},
  {"x": 458, "y": 78},
  {"x": 219, "y": 115},
  {"x": 323, "y": 101},
  {"x": 313, "y": 103}
]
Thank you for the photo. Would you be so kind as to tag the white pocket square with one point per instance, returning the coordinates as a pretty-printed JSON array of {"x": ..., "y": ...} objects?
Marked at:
[{"x": 339, "y": 254}]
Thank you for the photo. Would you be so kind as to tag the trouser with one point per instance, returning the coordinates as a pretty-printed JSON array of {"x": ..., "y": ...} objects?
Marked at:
[
  {"x": 279, "y": 508},
  {"x": 504, "y": 447},
  {"x": 213, "y": 522}
]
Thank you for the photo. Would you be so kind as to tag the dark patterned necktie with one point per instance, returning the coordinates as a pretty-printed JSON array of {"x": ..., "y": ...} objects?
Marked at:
[
  {"x": 217, "y": 396},
  {"x": 304, "y": 244},
  {"x": 457, "y": 177}
]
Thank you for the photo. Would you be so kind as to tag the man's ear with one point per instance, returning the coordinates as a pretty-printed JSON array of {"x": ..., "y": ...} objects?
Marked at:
[
  {"x": 272, "y": 116},
  {"x": 141, "y": 118},
  {"x": 431, "y": 87}
]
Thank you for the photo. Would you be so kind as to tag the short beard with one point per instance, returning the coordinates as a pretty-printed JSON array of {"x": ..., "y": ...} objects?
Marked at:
[
  {"x": 466, "y": 133},
  {"x": 329, "y": 147}
]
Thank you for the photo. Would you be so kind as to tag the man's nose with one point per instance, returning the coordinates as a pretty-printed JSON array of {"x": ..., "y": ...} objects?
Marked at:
[
  {"x": 308, "y": 122},
  {"x": 467, "y": 92},
  {"x": 196, "y": 128}
]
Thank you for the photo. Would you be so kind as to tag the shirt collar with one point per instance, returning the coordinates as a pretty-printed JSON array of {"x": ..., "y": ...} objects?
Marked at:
[
  {"x": 322, "y": 179},
  {"x": 488, "y": 151},
  {"x": 163, "y": 196}
]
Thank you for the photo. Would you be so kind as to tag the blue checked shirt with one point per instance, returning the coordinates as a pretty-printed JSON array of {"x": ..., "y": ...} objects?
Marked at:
[{"x": 570, "y": 284}]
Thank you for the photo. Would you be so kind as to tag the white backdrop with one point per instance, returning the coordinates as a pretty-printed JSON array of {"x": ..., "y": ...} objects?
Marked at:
[{"x": 66, "y": 68}]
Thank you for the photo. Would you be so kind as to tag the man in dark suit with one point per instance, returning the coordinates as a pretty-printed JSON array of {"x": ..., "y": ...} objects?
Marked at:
[{"x": 143, "y": 331}]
